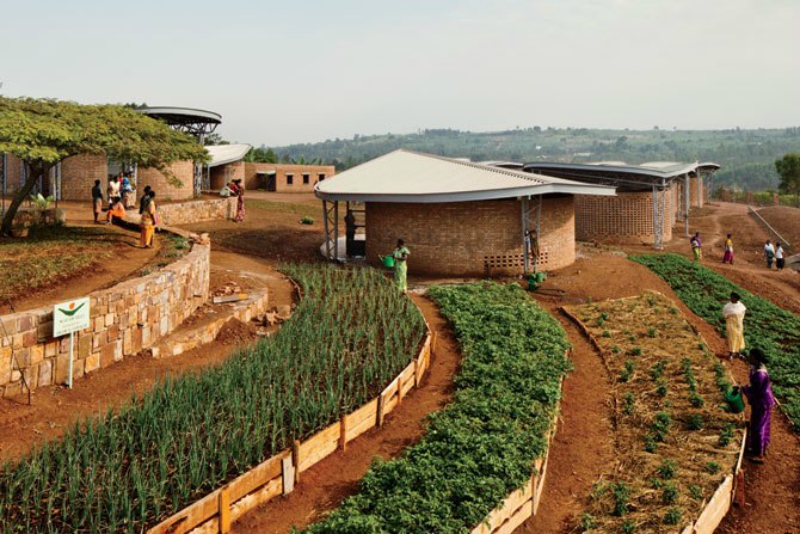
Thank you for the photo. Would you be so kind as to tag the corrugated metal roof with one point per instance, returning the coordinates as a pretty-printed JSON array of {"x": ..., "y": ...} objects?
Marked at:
[
  {"x": 223, "y": 154},
  {"x": 405, "y": 176}
]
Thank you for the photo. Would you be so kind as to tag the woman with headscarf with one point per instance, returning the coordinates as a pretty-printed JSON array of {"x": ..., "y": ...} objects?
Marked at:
[
  {"x": 728, "y": 257},
  {"x": 149, "y": 221},
  {"x": 238, "y": 190},
  {"x": 759, "y": 395},
  {"x": 733, "y": 312}
]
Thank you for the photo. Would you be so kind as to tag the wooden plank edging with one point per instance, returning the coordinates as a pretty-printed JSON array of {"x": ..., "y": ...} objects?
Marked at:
[{"x": 215, "y": 512}]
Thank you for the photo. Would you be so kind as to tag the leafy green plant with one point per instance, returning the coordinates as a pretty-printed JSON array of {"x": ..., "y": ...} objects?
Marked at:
[
  {"x": 669, "y": 494},
  {"x": 673, "y": 516},
  {"x": 662, "y": 387},
  {"x": 712, "y": 467},
  {"x": 588, "y": 522},
  {"x": 616, "y": 349},
  {"x": 626, "y": 373},
  {"x": 628, "y": 403},
  {"x": 42, "y": 202},
  {"x": 695, "y": 422},
  {"x": 636, "y": 351},
  {"x": 628, "y": 527},
  {"x": 667, "y": 469},
  {"x": 621, "y": 495},
  {"x": 696, "y": 492},
  {"x": 726, "y": 436},
  {"x": 652, "y": 332},
  {"x": 606, "y": 334},
  {"x": 307, "y": 219},
  {"x": 651, "y": 443}
]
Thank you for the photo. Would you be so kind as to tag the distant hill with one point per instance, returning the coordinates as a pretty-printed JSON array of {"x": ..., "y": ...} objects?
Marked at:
[{"x": 747, "y": 156}]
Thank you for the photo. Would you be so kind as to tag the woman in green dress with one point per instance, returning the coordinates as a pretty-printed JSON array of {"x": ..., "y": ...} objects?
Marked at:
[{"x": 401, "y": 266}]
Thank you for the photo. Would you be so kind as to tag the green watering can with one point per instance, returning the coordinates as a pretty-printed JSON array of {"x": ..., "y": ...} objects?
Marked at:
[
  {"x": 388, "y": 261},
  {"x": 535, "y": 279},
  {"x": 735, "y": 400}
]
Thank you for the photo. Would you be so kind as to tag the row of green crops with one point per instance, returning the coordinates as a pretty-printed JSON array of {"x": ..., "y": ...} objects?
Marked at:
[
  {"x": 350, "y": 335},
  {"x": 767, "y": 326},
  {"x": 482, "y": 446}
]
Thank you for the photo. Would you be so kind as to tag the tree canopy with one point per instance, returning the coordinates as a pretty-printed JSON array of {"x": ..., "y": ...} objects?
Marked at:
[
  {"x": 44, "y": 132},
  {"x": 788, "y": 167}
]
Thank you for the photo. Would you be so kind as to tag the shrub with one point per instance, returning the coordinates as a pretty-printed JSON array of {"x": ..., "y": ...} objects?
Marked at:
[{"x": 307, "y": 219}]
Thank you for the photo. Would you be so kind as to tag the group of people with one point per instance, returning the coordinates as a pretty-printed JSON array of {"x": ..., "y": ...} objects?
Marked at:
[
  {"x": 773, "y": 253},
  {"x": 120, "y": 197},
  {"x": 235, "y": 189},
  {"x": 759, "y": 390}
]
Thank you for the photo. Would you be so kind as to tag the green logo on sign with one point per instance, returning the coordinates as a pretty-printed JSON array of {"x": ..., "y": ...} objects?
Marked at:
[{"x": 70, "y": 312}]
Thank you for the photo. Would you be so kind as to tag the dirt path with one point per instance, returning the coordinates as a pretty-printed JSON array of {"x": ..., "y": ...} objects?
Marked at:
[
  {"x": 584, "y": 442},
  {"x": 325, "y": 485},
  {"x": 55, "y": 409}
]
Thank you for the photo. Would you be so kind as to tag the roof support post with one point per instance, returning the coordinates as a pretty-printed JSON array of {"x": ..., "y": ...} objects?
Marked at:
[
  {"x": 3, "y": 186},
  {"x": 658, "y": 227},
  {"x": 336, "y": 230},
  {"x": 327, "y": 230},
  {"x": 686, "y": 207},
  {"x": 526, "y": 246},
  {"x": 699, "y": 189}
]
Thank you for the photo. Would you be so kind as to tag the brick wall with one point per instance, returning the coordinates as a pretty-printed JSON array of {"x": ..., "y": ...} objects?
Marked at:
[
  {"x": 78, "y": 174},
  {"x": 223, "y": 174},
  {"x": 183, "y": 171},
  {"x": 625, "y": 219},
  {"x": 124, "y": 319},
  {"x": 460, "y": 238},
  {"x": 282, "y": 173},
  {"x": 197, "y": 211}
]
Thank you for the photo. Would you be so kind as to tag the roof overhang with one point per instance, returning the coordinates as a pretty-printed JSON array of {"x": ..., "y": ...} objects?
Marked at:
[
  {"x": 193, "y": 121},
  {"x": 471, "y": 196},
  {"x": 225, "y": 154}
]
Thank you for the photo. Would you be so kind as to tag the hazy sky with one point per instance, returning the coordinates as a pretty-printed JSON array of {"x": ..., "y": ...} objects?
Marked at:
[{"x": 301, "y": 71}]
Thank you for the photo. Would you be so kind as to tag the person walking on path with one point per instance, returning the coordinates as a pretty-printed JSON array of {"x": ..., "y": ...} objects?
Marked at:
[
  {"x": 238, "y": 190},
  {"x": 728, "y": 257},
  {"x": 149, "y": 221},
  {"x": 97, "y": 201},
  {"x": 401, "y": 266},
  {"x": 779, "y": 259},
  {"x": 769, "y": 253},
  {"x": 759, "y": 395},
  {"x": 696, "y": 247},
  {"x": 733, "y": 312}
]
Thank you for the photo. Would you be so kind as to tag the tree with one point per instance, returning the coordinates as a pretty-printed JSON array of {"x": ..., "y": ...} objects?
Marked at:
[
  {"x": 213, "y": 139},
  {"x": 44, "y": 132},
  {"x": 788, "y": 168}
]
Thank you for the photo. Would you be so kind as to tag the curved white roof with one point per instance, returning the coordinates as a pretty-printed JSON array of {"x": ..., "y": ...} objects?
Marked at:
[
  {"x": 223, "y": 154},
  {"x": 405, "y": 176}
]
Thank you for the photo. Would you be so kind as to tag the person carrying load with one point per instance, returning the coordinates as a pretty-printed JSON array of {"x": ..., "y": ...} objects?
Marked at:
[{"x": 733, "y": 312}]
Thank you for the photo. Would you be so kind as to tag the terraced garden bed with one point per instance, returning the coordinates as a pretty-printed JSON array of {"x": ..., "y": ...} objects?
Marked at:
[
  {"x": 350, "y": 335},
  {"x": 484, "y": 444},
  {"x": 774, "y": 330},
  {"x": 675, "y": 442}
]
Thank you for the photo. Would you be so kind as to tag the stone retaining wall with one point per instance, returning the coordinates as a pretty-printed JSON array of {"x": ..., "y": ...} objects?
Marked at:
[
  {"x": 124, "y": 319},
  {"x": 195, "y": 211},
  {"x": 27, "y": 217}
]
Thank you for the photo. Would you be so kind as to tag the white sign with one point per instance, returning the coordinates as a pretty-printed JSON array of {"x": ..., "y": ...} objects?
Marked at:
[{"x": 70, "y": 316}]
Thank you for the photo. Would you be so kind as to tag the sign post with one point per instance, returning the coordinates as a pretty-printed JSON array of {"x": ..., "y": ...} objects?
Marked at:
[{"x": 68, "y": 318}]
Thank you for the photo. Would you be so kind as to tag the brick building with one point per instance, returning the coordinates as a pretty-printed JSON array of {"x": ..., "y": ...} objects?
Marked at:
[
  {"x": 285, "y": 178},
  {"x": 651, "y": 199},
  {"x": 227, "y": 164},
  {"x": 458, "y": 218}
]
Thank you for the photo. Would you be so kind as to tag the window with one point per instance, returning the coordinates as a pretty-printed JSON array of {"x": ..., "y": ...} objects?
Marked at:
[
  {"x": 306, "y": 178},
  {"x": 321, "y": 176},
  {"x": 289, "y": 179}
]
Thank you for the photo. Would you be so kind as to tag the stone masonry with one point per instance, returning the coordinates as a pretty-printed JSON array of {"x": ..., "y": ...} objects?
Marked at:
[
  {"x": 194, "y": 211},
  {"x": 125, "y": 319}
]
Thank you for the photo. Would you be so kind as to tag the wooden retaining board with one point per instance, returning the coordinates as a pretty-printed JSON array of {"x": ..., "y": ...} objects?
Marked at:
[
  {"x": 716, "y": 509},
  {"x": 361, "y": 420},
  {"x": 319, "y": 446},
  {"x": 514, "y": 510}
]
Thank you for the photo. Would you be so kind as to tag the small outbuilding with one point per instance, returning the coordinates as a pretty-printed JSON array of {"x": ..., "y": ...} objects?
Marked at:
[{"x": 458, "y": 218}]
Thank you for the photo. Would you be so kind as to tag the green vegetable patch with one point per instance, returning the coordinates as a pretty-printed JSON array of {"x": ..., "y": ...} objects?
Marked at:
[
  {"x": 670, "y": 422},
  {"x": 351, "y": 334},
  {"x": 483, "y": 445},
  {"x": 775, "y": 330}
]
